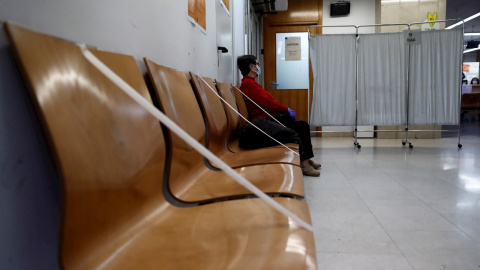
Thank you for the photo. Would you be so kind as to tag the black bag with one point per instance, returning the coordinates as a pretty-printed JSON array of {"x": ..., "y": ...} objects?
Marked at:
[{"x": 250, "y": 137}]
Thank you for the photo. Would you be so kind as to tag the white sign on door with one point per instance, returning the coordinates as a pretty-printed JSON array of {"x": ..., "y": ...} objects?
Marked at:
[{"x": 293, "y": 48}]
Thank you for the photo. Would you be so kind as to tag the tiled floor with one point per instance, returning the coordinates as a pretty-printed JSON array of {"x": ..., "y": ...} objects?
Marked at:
[{"x": 386, "y": 206}]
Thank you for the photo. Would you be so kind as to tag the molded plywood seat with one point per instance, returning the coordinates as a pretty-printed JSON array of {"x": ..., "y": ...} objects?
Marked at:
[
  {"x": 235, "y": 121},
  {"x": 216, "y": 119},
  {"x": 189, "y": 181},
  {"x": 111, "y": 157}
]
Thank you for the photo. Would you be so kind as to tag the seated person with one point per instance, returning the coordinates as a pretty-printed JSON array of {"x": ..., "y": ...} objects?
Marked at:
[
  {"x": 474, "y": 81},
  {"x": 250, "y": 69}
]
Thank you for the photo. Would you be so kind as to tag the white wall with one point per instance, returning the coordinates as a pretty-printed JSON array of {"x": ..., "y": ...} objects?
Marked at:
[
  {"x": 238, "y": 36},
  {"x": 224, "y": 39},
  {"x": 157, "y": 29},
  {"x": 362, "y": 12}
]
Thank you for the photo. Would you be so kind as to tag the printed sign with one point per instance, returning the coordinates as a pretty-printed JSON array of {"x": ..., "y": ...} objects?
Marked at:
[
  {"x": 471, "y": 70},
  {"x": 293, "y": 49},
  {"x": 412, "y": 37},
  {"x": 431, "y": 26}
]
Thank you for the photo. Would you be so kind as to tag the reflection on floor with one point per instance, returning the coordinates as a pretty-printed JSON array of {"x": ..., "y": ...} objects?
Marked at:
[{"x": 386, "y": 206}]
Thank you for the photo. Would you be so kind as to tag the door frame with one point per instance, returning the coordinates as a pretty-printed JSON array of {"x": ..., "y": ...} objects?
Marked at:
[{"x": 297, "y": 99}]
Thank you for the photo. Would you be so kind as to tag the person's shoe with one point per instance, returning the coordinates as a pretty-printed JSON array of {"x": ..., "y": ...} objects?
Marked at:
[
  {"x": 310, "y": 171},
  {"x": 314, "y": 165}
]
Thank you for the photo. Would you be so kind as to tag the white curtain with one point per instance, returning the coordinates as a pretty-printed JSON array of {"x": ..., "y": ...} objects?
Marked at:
[
  {"x": 381, "y": 79},
  {"x": 434, "y": 75},
  {"x": 333, "y": 64},
  {"x": 435, "y": 70}
]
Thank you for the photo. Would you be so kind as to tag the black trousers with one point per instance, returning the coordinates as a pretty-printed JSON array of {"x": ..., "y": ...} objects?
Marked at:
[{"x": 302, "y": 129}]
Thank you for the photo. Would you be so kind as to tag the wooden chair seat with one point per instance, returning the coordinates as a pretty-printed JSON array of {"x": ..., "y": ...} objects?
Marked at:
[
  {"x": 235, "y": 122},
  {"x": 191, "y": 183},
  {"x": 207, "y": 185},
  {"x": 111, "y": 157},
  {"x": 240, "y": 235},
  {"x": 216, "y": 119}
]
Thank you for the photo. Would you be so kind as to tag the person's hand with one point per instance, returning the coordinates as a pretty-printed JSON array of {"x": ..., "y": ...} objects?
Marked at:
[{"x": 291, "y": 113}]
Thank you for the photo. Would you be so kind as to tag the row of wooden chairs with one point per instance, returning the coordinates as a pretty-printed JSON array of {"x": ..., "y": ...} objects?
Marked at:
[
  {"x": 274, "y": 171},
  {"x": 123, "y": 174}
]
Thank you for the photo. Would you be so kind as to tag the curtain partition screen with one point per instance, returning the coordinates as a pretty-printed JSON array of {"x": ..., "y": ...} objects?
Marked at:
[
  {"x": 381, "y": 79},
  {"x": 435, "y": 74},
  {"x": 333, "y": 63},
  {"x": 434, "y": 69}
]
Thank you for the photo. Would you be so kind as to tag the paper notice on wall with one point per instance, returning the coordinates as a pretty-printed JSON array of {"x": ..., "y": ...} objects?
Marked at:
[
  {"x": 471, "y": 70},
  {"x": 293, "y": 48},
  {"x": 412, "y": 37}
]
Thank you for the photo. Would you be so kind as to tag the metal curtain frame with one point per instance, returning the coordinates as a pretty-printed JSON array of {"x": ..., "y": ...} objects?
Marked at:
[{"x": 407, "y": 81}]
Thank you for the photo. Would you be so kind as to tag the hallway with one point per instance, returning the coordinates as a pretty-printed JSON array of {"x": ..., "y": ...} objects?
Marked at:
[{"x": 386, "y": 206}]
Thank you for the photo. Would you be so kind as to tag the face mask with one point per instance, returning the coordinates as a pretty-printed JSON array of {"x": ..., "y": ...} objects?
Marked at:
[
  {"x": 259, "y": 71},
  {"x": 475, "y": 82}
]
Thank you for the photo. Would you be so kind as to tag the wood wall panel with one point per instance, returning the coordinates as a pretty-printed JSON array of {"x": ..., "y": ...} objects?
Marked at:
[{"x": 299, "y": 12}]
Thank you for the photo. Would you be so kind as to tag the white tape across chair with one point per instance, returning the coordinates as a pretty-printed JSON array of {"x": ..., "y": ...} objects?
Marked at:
[
  {"x": 187, "y": 138},
  {"x": 226, "y": 103}
]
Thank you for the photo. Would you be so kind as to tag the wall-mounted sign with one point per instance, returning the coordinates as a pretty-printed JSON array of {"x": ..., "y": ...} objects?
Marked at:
[
  {"x": 293, "y": 48},
  {"x": 412, "y": 37},
  {"x": 471, "y": 70},
  {"x": 431, "y": 26}
]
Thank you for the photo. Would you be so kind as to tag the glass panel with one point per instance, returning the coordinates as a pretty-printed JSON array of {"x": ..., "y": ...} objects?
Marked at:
[{"x": 292, "y": 67}]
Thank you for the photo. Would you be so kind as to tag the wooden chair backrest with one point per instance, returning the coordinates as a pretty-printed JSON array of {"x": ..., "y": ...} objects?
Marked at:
[
  {"x": 242, "y": 106},
  {"x": 234, "y": 120},
  {"x": 110, "y": 152},
  {"x": 225, "y": 92},
  {"x": 177, "y": 100},
  {"x": 213, "y": 111}
]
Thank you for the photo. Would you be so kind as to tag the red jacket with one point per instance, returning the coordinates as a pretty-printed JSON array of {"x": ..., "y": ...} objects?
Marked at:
[{"x": 260, "y": 96}]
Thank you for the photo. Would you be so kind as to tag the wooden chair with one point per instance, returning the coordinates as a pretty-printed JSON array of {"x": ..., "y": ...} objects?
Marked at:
[
  {"x": 111, "y": 157},
  {"x": 189, "y": 181},
  {"x": 216, "y": 119},
  {"x": 234, "y": 120}
]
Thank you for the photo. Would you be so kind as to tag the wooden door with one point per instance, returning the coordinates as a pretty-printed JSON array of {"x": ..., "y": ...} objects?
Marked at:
[{"x": 300, "y": 15}]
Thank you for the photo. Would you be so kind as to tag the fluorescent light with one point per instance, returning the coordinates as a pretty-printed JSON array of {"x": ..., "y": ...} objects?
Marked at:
[
  {"x": 471, "y": 50},
  {"x": 472, "y": 34},
  {"x": 472, "y": 17},
  {"x": 465, "y": 20}
]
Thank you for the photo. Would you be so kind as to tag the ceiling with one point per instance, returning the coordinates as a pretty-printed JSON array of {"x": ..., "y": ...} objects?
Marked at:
[{"x": 463, "y": 9}]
